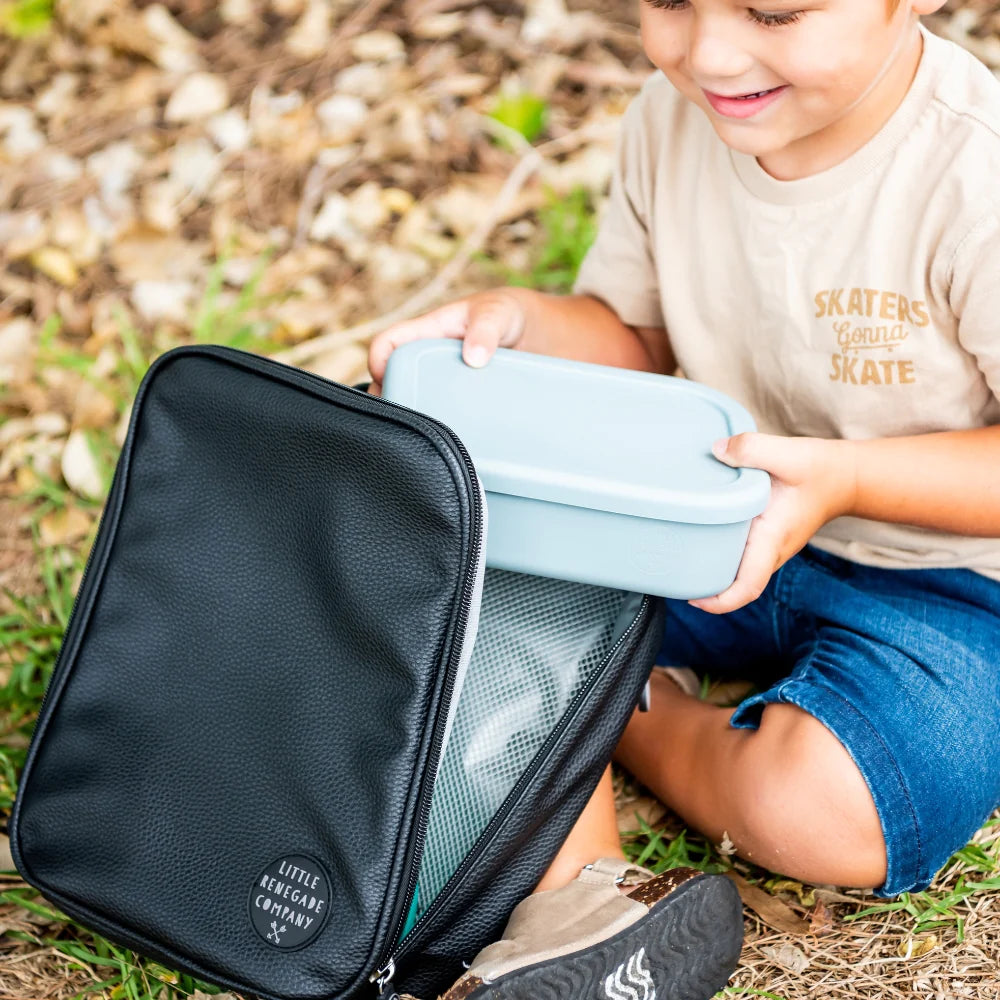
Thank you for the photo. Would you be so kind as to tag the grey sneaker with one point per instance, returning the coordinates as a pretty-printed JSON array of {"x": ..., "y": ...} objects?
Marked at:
[{"x": 675, "y": 936}]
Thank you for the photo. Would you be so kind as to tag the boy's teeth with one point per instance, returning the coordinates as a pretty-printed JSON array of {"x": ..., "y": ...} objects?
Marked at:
[{"x": 750, "y": 97}]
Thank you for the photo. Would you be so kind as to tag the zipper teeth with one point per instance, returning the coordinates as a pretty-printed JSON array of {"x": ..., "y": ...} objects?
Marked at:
[
  {"x": 507, "y": 807},
  {"x": 426, "y": 792}
]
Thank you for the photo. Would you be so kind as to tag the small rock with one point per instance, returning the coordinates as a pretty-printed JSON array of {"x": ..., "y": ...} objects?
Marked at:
[
  {"x": 590, "y": 169},
  {"x": 366, "y": 80},
  {"x": 367, "y": 210},
  {"x": 80, "y": 469},
  {"x": 229, "y": 131},
  {"x": 174, "y": 48},
  {"x": 160, "y": 205},
  {"x": 17, "y": 352},
  {"x": 58, "y": 95},
  {"x": 311, "y": 34},
  {"x": 62, "y": 168},
  {"x": 57, "y": 264},
  {"x": 70, "y": 231},
  {"x": 163, "y": 300},
  {"x": 342, "y": 116},
  {"x": 199, "y": 96},
  {"x": 194, "y": 166},
  {"x": 99, "y": 221},
  {"x": 20, "y": 132},
  {"x": 114, "y": 168},
  {"x": 378, "y": 46},
  {"x": 433, "y": 27},
  {"x": 337, "y": 156},
  {"x": 333, "y": 221},
  {"x": 237, "y": 11},
  {"x": 21, "y": 233},
  {"x": 395, "y": 267}
]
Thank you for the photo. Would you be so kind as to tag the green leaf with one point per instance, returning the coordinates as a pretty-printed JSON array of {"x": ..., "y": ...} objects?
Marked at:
[{"x": 523, "y": 112}]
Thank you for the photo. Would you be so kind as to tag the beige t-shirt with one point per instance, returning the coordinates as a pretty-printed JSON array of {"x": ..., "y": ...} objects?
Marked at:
[{"x": 860, "y": 302}]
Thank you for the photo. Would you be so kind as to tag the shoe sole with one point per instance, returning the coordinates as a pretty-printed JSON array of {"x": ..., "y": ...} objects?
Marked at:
[{"x": 685, "y": 948}]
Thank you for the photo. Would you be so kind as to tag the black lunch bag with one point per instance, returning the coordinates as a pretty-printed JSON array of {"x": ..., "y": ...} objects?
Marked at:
[{"x": 298, "y": 742}]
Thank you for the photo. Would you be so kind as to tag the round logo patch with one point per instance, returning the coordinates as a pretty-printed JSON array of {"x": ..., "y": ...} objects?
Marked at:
[{"x": 289, "y": 901}]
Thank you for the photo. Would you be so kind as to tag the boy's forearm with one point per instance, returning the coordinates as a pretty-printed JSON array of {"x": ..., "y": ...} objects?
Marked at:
[
  {"x": 584, "y": 329},
  {"x": 949, "y": 481}
]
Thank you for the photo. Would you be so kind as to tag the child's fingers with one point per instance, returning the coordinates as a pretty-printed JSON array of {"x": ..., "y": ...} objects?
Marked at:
[
  {"x": 495, "y": 320},
  {"x": 447, "y": 321},
  {"x": 760, "y": 559}
]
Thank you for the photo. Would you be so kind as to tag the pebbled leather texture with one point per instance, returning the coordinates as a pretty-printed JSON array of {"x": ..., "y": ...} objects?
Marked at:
[
  {"x": 252, "y": 671},
  {"x": 522, "y": 849}
]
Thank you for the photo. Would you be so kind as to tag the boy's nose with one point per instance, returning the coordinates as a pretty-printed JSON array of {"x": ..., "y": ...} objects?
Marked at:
[{"x": 714, "y": 53}]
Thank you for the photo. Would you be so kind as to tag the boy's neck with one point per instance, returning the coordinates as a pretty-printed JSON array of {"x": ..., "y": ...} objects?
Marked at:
[{"x": 835, "y": 143}]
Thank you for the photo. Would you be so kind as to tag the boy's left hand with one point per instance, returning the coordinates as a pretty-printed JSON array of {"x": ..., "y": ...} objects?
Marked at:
[{"x": 813, "y": 481}]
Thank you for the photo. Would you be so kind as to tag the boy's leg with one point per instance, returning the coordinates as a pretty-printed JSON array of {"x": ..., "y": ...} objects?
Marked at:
[
  {"x": 594, "y": 836},
  {"x": 787, "y": 794}
]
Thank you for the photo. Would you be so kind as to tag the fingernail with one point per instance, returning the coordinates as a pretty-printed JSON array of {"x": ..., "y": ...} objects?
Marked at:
[
  {"x": 719, "y": 447},
  {"x": 476, "y": 356}
]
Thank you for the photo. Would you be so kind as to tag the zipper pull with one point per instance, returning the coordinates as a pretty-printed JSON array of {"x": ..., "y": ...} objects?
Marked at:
[{"x": 382, "y": 978}]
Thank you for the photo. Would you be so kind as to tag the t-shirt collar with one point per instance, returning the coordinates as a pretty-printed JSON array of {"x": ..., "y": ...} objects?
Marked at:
[{"x": 933, "y": 64}]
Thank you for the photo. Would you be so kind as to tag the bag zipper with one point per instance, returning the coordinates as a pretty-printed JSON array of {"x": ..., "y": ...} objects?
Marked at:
[{"x": 383, "y": 975}]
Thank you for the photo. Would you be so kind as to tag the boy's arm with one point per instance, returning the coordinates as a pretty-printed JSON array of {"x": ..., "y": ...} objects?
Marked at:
[
  {"x": 948, "y": 481},
  {"x": 569, "y": 326},
  {"x": 585, "y": 329}
]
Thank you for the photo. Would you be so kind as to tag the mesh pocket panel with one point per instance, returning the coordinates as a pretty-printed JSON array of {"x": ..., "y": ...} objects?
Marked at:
[{"x": 538, "y": 642}]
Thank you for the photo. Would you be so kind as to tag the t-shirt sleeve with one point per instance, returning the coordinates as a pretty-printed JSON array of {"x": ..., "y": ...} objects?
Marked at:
[
  {"x": 975, "y": 295},
  {"x": 619, "y": 268}
]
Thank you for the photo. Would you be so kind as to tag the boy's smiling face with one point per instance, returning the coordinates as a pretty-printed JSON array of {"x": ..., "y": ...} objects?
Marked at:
[{"x": 800, "y": 84}]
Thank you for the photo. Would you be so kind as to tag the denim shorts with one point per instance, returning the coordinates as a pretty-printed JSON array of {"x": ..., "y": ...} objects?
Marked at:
[{"x": 901, "y": 665}]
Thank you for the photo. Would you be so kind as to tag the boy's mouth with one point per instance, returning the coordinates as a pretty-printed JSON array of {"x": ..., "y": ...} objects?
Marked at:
[{"x": 743, "y": 105}]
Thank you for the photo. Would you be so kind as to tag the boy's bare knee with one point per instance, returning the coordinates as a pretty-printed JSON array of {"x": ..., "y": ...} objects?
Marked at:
[{"x": 803, "y": 807}]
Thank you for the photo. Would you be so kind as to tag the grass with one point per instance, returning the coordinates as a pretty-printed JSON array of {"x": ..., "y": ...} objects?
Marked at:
[{"x": 566, "y": 229}]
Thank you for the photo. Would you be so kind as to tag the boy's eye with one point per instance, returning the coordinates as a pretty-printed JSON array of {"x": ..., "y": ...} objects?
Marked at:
[
  {"x": 776, "y": 19},
  {"x": 770, "y": 19}
]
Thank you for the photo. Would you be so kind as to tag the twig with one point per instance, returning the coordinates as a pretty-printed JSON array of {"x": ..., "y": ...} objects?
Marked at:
[{"x": 531, "y": 160}]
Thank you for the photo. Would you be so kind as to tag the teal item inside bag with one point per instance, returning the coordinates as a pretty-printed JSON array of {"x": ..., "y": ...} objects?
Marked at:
[{"x": 593, "y": 474}]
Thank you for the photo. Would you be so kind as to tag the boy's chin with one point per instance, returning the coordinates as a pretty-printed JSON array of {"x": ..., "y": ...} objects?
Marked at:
[{"x": 751, "y": 140}]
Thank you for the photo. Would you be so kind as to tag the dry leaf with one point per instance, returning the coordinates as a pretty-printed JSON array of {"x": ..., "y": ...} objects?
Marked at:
[
  {"x": 820, "y": 919},
  {"x": 56, "y": 264},
  {"x": 770, "y": 910},
  {"x": 60, "y": 527},
  {"x": 915, "y": 947},
  {"x": 644, "y": 808},
  {"x": 787, "y": 956},
  {"x": 807, "y": 897}
]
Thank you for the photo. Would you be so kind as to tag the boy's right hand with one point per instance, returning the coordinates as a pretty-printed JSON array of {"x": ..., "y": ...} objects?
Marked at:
[{"x": 484, "y": 320}]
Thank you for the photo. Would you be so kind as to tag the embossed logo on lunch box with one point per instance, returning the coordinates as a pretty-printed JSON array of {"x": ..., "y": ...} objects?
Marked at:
[{"x": 289, "y": 901}]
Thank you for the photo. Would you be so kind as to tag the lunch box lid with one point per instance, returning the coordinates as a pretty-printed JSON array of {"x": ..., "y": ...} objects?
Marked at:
[{"x": 586, "y": 435}]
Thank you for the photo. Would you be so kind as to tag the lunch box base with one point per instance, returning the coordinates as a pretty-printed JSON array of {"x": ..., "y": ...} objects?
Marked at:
[{"x": 673, "y": 559}]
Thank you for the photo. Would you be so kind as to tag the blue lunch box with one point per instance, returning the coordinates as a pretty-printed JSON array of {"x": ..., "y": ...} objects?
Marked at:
[{"x": 594, "y": 474}]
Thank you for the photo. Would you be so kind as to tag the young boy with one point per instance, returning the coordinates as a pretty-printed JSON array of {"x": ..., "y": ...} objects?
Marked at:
[{"x": 805, "y": 215}]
